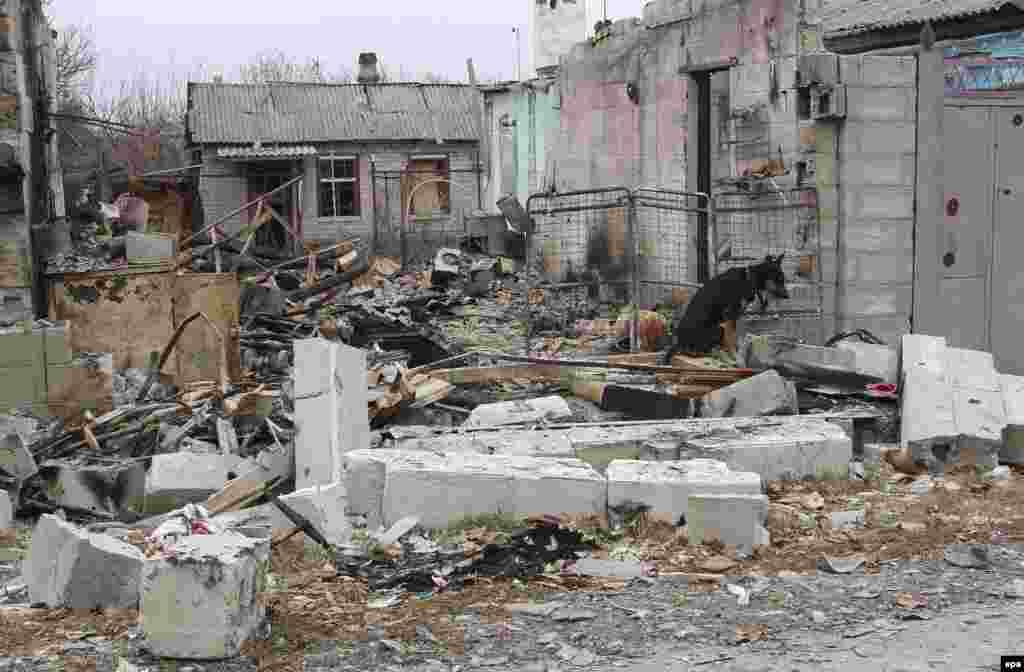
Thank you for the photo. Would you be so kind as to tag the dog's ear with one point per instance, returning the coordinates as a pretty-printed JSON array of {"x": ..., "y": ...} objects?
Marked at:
[{"x": 779, "y": 259}]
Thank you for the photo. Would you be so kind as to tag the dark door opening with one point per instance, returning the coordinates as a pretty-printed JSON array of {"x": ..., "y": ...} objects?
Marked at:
[
  {"x": 265, "y": 177},
  {"x": 703, "y": 82}
]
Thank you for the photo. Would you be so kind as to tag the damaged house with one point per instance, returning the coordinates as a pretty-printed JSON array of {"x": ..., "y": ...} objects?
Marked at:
[{"x": 371, "y": 155}]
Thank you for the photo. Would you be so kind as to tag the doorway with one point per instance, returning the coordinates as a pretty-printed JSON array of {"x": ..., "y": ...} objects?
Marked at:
[{"x": 262, "y": 178}]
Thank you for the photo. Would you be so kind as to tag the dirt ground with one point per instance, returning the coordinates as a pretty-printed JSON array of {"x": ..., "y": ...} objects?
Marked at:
[{"x": 309, "y": 603}]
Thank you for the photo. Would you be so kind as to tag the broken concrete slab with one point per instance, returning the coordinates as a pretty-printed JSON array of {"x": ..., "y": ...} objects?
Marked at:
[
  {"x": 69, "y": 567},
  {"x": 665, "y": 486},
  {"x": 1012, "y": 388},
  {"x": 103, "y": 489},
  {"x": 387, "y": 485},
  {"x": 330, "y": 408},
  {"x": 805, "y": 447},
  {"x": 531, "y": 443},
  {"x": 513, "y": 412},
  {"x": 880, "y": 361},
  {"x": 6, "y": 511},
  {"x": 767, "y": 393},
  {"x": 927, "y": 424},
  {"x": 921, "y": 351},
  {"x": 608, "y": 568},
  {"x": 798, "y": 360},
  {"x": 204, "y": 601},
  {"x": 734, "y": 519},
  {"x": 176, "y": 479}
]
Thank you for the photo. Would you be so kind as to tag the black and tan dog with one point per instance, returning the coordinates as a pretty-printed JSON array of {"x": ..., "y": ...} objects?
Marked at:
[{"x": 723, "y": 299}]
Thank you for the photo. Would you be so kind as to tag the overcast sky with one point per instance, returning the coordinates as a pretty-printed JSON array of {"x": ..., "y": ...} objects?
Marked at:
[{"x": 185, "y": 35}]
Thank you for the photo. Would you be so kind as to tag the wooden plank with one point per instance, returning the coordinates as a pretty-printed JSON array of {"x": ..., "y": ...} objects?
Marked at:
[
  {"x": 199, "y": 350},
  {"x": 236, "y": 492},
  {"x": 498, "y": 374},
  {"x": 128, "y": 314}
]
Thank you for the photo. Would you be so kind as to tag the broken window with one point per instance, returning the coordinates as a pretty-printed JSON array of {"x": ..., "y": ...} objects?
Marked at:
[
  {"x": 426, "y": 181},
  {"x": 339, "y": 186}
]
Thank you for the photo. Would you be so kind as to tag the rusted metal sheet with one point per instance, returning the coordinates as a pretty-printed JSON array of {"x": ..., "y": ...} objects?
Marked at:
[
  {"x": 128, "y": 314},
  {"x": 217, "y": 295}
]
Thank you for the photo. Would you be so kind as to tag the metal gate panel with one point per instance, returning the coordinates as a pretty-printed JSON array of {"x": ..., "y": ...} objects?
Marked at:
[
  {"x": 667, "y": 229},
  {"x": 765, "y": 219}
]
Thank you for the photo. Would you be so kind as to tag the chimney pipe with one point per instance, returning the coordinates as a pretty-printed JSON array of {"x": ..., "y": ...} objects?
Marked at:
[{"x": 368, "y": 73}]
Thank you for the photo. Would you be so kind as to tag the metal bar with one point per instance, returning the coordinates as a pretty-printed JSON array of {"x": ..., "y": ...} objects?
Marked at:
[
  {"x": 576, "y": 208},
  {"x": 768, "y": 208},
  {"x": 171, "y": 171},
  {"x": 231, "y": 214}
]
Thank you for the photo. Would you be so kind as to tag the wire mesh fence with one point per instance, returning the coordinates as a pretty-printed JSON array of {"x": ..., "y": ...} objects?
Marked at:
[
  {"x": 667, "y": 223},
  {"x": 752, "y": 224}
]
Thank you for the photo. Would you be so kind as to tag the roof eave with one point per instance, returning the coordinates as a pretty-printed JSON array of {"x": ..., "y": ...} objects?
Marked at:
[{"x": 1007, "y": 18}]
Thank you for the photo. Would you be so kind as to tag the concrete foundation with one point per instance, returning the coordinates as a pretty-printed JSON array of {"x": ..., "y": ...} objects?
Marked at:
[
  {"x": 205, "y": 601},
  {"x": 69, "y": 567}
]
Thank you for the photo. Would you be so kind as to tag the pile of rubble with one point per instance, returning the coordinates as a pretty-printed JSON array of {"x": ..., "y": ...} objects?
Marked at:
[{"x": 171, "y": 502}]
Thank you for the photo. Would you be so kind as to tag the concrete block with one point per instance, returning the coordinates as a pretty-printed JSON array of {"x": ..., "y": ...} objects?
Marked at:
[
  {"x": 150, "y": 247},
  {"x": 69, "y": 567},
  {"x": 97, "y": 488},
  {"x": 660, "y": 450},
  {"x": 175, "y": 479},
  {"x": 204, "y": 602},
  {"x": 523, "y": 442},
  {"x": 365, "y": 480},
  {"x": 329, "y": 413},
  {"x": 665, "y": 486},
  {"x": 511, "y": 412},
  {"x": 439, "y": 488},
  {"x": 879, "y": 361},
  {"x": 923, "y": 351},
  {"x": 609, "y": 568},
  {"x": 927, "y": 422},
  {"x": 1012, "y": 388},
  {"x": 806, "y": 448},
  {"x": 16, "y": 459},
  {"x": 6, "y": 511},
  {"x": 826, "y": 365},
  {"x": 736, "y": 520},
  {"x": 767, "y": 393}
]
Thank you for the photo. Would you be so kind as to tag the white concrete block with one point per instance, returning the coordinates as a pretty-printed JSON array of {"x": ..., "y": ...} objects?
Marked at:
[
  {"x": 365, "y": 478},
  {"x": 526, "y": 410},
  {"x": 879, "y": 361},
  {"x": 923, "y": 351},
  {"x": 440, "y": 488},
  {"x": 736, "y": 520},
  {"x": 767, "y": 393},
  {"x": 330, "y": 408},
  {"x": 797, "y": 448},
  {"x": 205, "y": 601},
  {"x": 665, "y": 486},
  {"x": 175, "y": 479},
  {"x": 69, "y": 567},
  {"x": 523, "y": 442},
  {"x": 6, "y": 511},
  {"x": 1012, "y": 388}
]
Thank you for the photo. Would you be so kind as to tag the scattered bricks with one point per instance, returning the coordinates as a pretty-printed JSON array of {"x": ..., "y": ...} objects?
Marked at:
[
  {"x": 1012, "y": 388},
  {"x": 69, "y": 567},
  {"x": 512, "y": 412},
  {"x": 767, "y": 393},
  {"x": 149, "y": 247},
  {"x": 736, "y": 520},
  {"x": 175, "y": 479},
  {"x": 847, "y": 520},
  {"x": 440, "y": 488},
  {"x": 6, "y": 511},
  {"x": 330, "y": 415},
  {"x": 203, "y": 600},
  {"x": 796, "y": 449},
  {"x": 665, "y": 486},
  {"x": 96, "y": 488},
  {"x": 879, "y": 361}
]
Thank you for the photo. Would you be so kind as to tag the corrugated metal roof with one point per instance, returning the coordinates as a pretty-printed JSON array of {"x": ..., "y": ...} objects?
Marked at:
[
  {"x": 265, "y": 152},
  {"x": 293, "y": 113},
  {"x": 849, "y": 17}
]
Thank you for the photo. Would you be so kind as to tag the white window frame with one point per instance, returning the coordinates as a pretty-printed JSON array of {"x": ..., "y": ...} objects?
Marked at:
[{"x": 354, "y": 158}]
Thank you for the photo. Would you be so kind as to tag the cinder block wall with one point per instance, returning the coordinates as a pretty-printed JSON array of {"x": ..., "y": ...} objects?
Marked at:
[
  {"x": 221, "y": 190},
  {"x": 866, "y": 173}
]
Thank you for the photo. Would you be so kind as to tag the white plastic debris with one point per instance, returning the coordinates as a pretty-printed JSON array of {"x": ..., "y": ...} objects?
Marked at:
[{"x": 192, "y": 519}]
